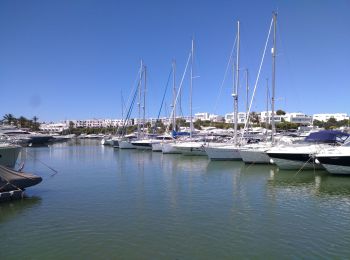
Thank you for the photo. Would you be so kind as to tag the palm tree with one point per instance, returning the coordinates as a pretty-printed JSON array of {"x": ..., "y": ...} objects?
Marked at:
[
  {"x": 9, "y": 118},
  {"x": 35, "y": 123},
  {"x": 23, "y": 121}
]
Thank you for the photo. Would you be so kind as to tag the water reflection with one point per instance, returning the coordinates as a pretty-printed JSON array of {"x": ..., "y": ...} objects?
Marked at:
[
  {"x": 10, "y": 210},
  {"x": 317, "y": 183},
  {"x": 135, "y": 204}
]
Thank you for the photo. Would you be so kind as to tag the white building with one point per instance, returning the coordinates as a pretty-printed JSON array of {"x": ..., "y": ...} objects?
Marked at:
[
  {"x": 216, "y": 118},
  {"x": 97, "y": 123},
  {"x": 201, "y": 116},
  {"x": 267, "y": 116},
  {"x": 229, "y": 118},
  {"x": 326, "y": 117},
  {"x": 298, "y": 118}
]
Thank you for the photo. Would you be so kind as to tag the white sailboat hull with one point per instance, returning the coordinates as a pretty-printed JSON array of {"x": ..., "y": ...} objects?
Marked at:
[
  {"x": 254, "y": 156},
  {"x": 169, "y": 148},
  {"x": 157, "y": 147},
  {"x": 191, "y": 148},
  {"x": 126, "y": 145},
  {"x": 223, "y": 153}
]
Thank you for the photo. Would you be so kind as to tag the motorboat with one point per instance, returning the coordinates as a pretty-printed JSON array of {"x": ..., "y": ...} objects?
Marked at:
[
  {"x": 11, "y": 180},
  {"x": 9, "y": 154},
  {"x": 26, "y": 138},
  {"x": 335, "y": 160},
  {"x": 302, "y": 155}
]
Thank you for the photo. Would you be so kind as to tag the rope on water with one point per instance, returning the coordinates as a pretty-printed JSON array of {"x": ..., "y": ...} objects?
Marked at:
[
  {"x": 49, "y": 167},
  {"x": 302, "y": 167}
]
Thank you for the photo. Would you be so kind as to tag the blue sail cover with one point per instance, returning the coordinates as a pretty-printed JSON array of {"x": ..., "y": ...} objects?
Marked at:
[
  {"x": 327, "y": 136},
  {"x": 175, "y": 134}
]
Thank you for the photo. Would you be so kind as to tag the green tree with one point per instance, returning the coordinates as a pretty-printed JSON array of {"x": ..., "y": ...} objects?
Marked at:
[
  {"x": 280, "y": 112},
  {"x": 254, "y": 118},
  {"x": 331, "y": 123},
  {"x": 35, "y": 125},
  {"x": 318, "y": 123},
  {"x": 23, "y": 122},
  {"x": 9, "y": 118},
  {"x": 197, "y": 124}
]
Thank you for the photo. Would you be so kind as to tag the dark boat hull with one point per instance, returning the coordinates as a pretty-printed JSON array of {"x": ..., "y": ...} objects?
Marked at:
[
  {"x": 14, "y": 180},
  {"x": 335, "y": 164}
]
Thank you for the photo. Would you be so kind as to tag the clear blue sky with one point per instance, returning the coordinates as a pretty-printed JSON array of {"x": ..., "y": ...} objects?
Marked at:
[{"x": 70, "y": 59}]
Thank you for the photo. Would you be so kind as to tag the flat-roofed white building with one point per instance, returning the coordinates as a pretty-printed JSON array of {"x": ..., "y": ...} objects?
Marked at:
[
  {"x": 201, "y": 116},
  {"x": 326, "y": 117},
  {"x": 298, "y": 118},
  {"x": 229, "y": 118},
  {"x": 267, "y": 116},
  {"x": 98, "y": 123},
  {"x": 216, "y": 118}
]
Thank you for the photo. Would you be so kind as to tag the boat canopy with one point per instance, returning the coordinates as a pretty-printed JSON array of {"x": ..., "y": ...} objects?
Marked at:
[
  {"x": 175, "y": 134},
  {"x": 327, "y": 136}
]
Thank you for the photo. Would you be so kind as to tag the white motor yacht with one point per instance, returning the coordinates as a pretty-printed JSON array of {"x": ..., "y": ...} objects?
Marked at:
[
  {"x": 335, "y": 160},
  {"x": 295, "y": 157},
  {"x": 9, "y": 154},
  {"x": 302, "y": 156}
]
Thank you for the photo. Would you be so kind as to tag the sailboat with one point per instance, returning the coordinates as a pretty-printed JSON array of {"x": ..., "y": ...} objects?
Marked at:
[
  {"x": 229, "y": 151},
  {"x": 168, "y": 139},
  {"x": 256, "y": 153},
  {"x": 191, "y": 146},
  {"x": 126, "y": 141}
]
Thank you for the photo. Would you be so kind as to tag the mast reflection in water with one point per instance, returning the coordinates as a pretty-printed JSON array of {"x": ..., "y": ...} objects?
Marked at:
[{"x": 109, "y": 203}]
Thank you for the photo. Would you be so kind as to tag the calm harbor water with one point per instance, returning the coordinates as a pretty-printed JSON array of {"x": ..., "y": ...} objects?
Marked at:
[{"x": 111, "y": 204}]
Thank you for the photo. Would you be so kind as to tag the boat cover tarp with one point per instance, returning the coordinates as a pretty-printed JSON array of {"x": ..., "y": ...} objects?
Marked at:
[
  {"x": 327, "y": 136},
  {"x": 174, "y": 133}
]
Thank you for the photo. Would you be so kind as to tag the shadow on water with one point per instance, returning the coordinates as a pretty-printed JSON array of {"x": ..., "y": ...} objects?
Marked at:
[{"x": 9, "y": 210}]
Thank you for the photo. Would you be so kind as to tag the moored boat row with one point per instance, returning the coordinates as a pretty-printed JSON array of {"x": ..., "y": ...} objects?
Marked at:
[{"x": 328, "y": 150}]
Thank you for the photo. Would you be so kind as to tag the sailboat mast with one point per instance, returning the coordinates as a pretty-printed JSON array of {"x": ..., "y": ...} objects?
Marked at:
[
  {"x": 273, "y": 77},
  {"x": 144, "y": 99},
  {"x": 267, "y": 106},
  {"x": 122, "y": 102},
  {"x": 247, "y": 92},
  {"x": 191, "y": 89},
  {"x": 235, "y": 95},
  {"x": 174, "y": 96},
  {"x": 139, "y": 103}
]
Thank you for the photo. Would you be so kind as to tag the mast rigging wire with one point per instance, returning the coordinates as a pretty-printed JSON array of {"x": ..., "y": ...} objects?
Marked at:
[{"x": 257, "y": 79}]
